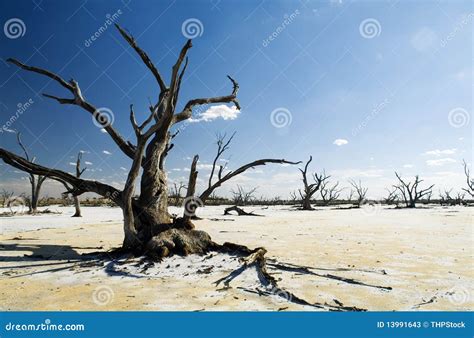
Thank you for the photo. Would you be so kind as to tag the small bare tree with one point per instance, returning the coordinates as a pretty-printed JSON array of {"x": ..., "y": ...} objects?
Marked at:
[
  {"x": 79, "y": 172},
  {"x": 223, "y": 144},
  {"x": 36, "y": 181},
  {"x": 392, "y": 196},
  {"x": 5, "y": 196},
  {"x": 411, "y": 191},
  {"x": 445, "y": 197},
  {"x": 175, "y": 195},
  {"x": 329, "y": 193},
  {"x": 309, "y": 189},
  {"x": 469, "y": 180},
  {"x": 360, "y": 191},
  {"x": 241, "y": 197}
]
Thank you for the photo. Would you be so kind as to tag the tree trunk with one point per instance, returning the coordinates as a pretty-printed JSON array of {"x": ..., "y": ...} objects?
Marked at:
[
  {"x": 307, "y": 203},
  {"x": 77, "y": 205}
]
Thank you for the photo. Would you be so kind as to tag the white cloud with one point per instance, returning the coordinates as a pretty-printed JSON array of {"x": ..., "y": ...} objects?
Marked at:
[
  {"x": 215, "y": 112},
  {"x": 88, "y": 163},
  {"x": 340, "y": 142},
  {"x": 408, "y": 166},
  {"x": 440, "y": 162},
  {"x": 203, "y": 166},
  {"x": 9, "y": 130},
  {"x": 122, "y": 168},
  {"x": 438, "y": 152},
  {"x": 106, "y": 152},
  {"x": 72, "y": 163}
]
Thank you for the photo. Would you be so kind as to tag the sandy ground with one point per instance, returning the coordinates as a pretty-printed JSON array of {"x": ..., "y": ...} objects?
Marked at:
[{"x": 425, "y": 256}]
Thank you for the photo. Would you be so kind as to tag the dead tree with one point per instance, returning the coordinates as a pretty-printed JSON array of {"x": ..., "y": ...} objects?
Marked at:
[
  {"x": 5, "y": 196},
  {"x": 241, "y": 197},
  {"x": 411, "y": 191},
  {"x": 175, "y": 196},
  {"x": 309, "y": 189},
  {"x": 329, "y": 193},
  {"x": 223, "y": 144},
  {"x": 147, "y": 223},
  {"x": 79, "y": 172},
  {"x": 36, "y": 181},
  {"x": 392, "y": 196},
  {"x": 360, "y": 191},
  {"x": 445, "y": 197},
  {"x": 469, "y": 180}
]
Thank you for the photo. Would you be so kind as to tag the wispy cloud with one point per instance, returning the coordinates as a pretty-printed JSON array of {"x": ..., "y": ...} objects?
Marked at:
[
  {"x": 215, "y": 112},
  {"x": 438, "y": 152},
  {"x": 106, "y": 152},
  {"x": 440, "y": 162},
  {"x": 88, "y": 163},
  {"x": 340, "y": 142}
]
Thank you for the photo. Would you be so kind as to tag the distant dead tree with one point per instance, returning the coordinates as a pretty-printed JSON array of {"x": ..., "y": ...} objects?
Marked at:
[
  {"x": 175, "y": 195},
  {"x": 329, "y": 193},
  {"x": 360, "y": 191},
  {"x": 79, "y": 172},
  {"x": 36, "y": 181},
  {"x": 392, "y": 196},
  {"x": 469, "y": 180},
  {"x": 351, "y": 194},
  {"x": 223, "y": 144},
  {"x": 241, "y": 197},
  {"x": 445, "y": 197},
  {"x": 5, "y": 196},
  {"x": 411, "y": 192},
  {"x": 309, "y": 189}
]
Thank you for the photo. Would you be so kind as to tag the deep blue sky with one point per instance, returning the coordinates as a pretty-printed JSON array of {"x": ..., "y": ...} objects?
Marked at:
[{"x": 320, "y": 67}]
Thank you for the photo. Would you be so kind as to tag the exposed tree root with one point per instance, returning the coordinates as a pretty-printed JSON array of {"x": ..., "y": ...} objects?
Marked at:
[
  {"x": 239, "y": 211},
  {"x": 306, "y": 270},
  {"x": 183, "y": 240}
]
